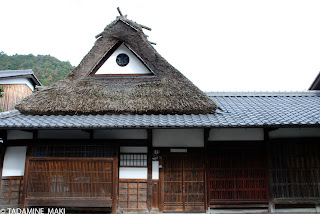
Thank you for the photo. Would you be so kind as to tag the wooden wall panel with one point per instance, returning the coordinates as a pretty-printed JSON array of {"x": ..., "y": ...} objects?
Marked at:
[
  {"x": 13, "y": 94},
  {"x": 155, "y": 194},
  {"x": 11, "y": 192},
  {"x": 133, "y": 194}
]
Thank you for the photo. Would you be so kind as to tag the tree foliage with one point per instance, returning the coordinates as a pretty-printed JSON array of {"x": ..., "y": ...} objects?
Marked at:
[{"x": 47, "y": 68}]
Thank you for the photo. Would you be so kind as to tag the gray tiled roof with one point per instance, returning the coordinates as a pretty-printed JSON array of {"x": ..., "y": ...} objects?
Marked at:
[
  {"x": 16, "y": 73},
  {"x": 250, "y": 109}
]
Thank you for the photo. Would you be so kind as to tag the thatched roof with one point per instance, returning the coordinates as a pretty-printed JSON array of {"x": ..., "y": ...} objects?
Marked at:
[{"x": 165, "y": 92}]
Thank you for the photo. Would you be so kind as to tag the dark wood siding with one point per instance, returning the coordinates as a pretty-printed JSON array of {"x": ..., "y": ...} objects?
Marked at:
[
  {"x": 237, "y": 173},
  {"x": 295, "y": 170}
]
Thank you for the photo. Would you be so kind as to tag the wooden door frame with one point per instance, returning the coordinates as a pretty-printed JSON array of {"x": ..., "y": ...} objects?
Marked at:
[{"x": 165, "y": 152}]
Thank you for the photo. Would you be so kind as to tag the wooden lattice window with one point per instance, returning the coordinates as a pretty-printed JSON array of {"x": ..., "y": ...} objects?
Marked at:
[
  {"x": 71, "y": 151},
  {"x": 295, "y": 170},
  {"x": 237, "y": 173},
  {"x": 68, "y": 173},
  {"x": 76, "y": 178},
  {"x": 133, "y": 159}
]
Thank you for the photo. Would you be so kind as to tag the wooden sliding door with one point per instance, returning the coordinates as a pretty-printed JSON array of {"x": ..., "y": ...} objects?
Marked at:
[{"x": 183, "y": 183}]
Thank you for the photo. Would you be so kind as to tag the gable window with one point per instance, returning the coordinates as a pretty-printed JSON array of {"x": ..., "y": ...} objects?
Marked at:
[{"x": 121, "y": 60}]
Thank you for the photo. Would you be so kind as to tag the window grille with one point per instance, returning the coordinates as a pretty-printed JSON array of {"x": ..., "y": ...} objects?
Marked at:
[
  {"x": 133, "y": 160},
  {"x": 72, "y": 151}
]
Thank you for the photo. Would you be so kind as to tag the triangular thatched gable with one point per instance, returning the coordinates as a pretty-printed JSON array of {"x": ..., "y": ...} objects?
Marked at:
[{"x": 167, "y": 91}]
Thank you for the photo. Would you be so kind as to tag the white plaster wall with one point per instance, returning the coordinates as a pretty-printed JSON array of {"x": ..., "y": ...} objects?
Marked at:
[
  {"x": 236, "y": 134},
  {"x": 14, "y": 161},
  {"x": 17, "y": 81},
  {"x": 295, "y": 133},
  {"x": 63, "y": 134},
  {"x": 121, "y": 134},
  {"x": 177, "y": 138},
  {"x": 17, "y": 134},
  {"x": 133, "y": 173},
  {"x": 132, "y": 149},
  {"x": 135, "y": 66},
  {"x": 155, "y": 170}
]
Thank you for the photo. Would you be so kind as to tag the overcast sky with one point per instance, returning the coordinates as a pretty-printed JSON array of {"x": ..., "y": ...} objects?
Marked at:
[{"x": 225, "y": 45}]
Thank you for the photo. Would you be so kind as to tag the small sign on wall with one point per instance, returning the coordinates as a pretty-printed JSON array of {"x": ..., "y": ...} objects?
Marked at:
[{"x": 179, "y": 150}]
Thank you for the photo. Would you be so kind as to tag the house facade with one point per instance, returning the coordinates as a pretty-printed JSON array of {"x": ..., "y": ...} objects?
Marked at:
[
  {"x": 126, "y": 131},
  {"x": 16, "y": 84}
]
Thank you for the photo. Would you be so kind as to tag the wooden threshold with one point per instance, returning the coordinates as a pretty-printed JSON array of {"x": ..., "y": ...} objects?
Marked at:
[
  {"x": 231, "y": 202},
  {"x": 75, "y": 202},
  {"x": 240, "y": 206},
  {"x": 295, "y": 201}
]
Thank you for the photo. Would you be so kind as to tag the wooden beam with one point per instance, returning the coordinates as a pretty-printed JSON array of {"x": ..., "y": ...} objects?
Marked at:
[
  {"x": 206, "y": 165},
  {"x": 119, "y": 11},
  {"x": 79, "y": 202},
  {"x": 149, "y": 163},
  {"x": 90, "y": 132},
  {"x": 100, "y": 34},
  {"x": 145, "y": 27},
  {"x": 115, "y": 195}
]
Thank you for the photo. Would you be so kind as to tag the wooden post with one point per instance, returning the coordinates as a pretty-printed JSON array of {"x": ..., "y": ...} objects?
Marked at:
[
  {"x": 149, "y": 162},
  {"x": 2, "y": 152},
  {"x": 3, "y": 135},
  {"x": 115, "y": 180},
  {"x": 25, "y": 178},
  {"x": 269, "y": 165},
  {"x": 206, "y": 165}
]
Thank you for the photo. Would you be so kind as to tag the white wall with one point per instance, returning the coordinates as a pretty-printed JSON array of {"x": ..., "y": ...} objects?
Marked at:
[
  {"x": 121, "y": 134},
  {"x": 236, "y": 134},
  {"x": 17, "y": 134},
  {"x": 63, "y": 134},
  {"x": 295, "y": 133},
  {"x": 17, "y": 81},
  {"x": 133, "y": 172},
  {"x": 155, "y": 170},
  {"x": 135, "y": 66},
  {"x": 177, "y": 138},
  {"x": 14, "y": 161}
]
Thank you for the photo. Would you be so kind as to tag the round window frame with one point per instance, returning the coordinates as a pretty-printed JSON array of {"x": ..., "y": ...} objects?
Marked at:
[{"x": 121, "y": 59}]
